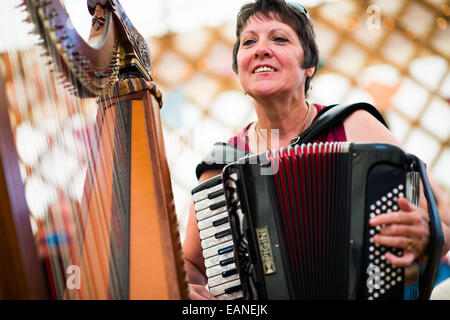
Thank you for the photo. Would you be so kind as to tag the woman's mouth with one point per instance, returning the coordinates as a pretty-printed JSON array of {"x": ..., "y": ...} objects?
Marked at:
[{"x": 264, "y": 69}]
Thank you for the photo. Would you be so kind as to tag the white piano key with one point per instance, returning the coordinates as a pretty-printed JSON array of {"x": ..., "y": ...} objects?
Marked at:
[
  {"x": 219, "y": 279},
  {"x": 220, "y": 289},
  {"x": 206, "y": 213},
  {"x": 215, "y": 260},
  {"x": 214, "y": 250},
  {"x": 214, "y": 271},
  {"x": 231, "y": 296},
  {"x": 206, "y": 223},
  {"x": 203, "y": 194},
  {"x": 213, "y": 241},
  {"x": 205, "y": 203},
  {"x": 211, "y": 231}
]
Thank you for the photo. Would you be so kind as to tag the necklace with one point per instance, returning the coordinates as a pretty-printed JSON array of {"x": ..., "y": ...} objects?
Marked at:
[
  {"x": 259, "y": 135},
  {"x": 307, "y": 120}
]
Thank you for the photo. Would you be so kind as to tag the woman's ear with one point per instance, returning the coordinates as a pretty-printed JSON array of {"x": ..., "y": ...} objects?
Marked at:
[{"x": 310, "y": 71}]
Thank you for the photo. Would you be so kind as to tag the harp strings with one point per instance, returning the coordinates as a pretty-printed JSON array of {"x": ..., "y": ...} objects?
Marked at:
[
  {"x": 72, "y": 227},
  {"x": 58, "y": 267},
  {"x": 110, "y": 135},
  {"x": 101, "y": 204},
  {"x": 33, "y": 102}
]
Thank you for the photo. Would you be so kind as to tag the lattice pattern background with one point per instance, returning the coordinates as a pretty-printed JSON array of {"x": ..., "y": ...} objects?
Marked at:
[{"x": 393, "y": 54}]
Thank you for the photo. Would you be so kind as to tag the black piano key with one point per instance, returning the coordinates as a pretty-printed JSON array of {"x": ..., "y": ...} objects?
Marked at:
[
  {"x": 226, "y": 261},
  {"x": 233, "y": 289},
  {"x": 225, "y": 250},
  {"x": 208, "y": 184},
  {"x": 217, "y": 205},
  {"x": 220, "y": 221},
  {"x": 222, "y": 233},
  {"x": 216, "y": 194},
  {"x": 229, "y": 273}
]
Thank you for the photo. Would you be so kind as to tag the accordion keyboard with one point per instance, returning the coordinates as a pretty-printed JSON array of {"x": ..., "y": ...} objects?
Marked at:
[{"x": 216, "y": 239}]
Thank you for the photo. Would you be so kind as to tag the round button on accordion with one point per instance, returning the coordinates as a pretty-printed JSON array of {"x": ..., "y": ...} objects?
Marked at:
[{"x": 294, "y": 224}]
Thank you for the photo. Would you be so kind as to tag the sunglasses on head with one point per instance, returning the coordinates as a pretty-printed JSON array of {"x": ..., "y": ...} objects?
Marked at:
[{"x": 300, "y": 9}]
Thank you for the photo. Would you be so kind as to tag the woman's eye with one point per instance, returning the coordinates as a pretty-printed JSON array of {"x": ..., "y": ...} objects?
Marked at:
[
  {"x": 280, "y": 39},
  {"x": 248, "y": 42}
]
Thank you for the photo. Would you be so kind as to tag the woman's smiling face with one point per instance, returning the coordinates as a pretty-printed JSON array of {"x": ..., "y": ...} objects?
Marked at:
[{"x": 270, "y": 59}]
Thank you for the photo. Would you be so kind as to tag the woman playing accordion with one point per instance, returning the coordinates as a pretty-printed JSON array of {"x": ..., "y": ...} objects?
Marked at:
[{"x": 275, "y": 56}]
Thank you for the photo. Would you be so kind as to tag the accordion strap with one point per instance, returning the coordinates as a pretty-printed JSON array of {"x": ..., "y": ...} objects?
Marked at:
[
  {"x": 332, "y": 115},
  {"x": 219, "y": 156},
  {"x": 427, "y": 276},
  {"x": 225, "y": 153}
]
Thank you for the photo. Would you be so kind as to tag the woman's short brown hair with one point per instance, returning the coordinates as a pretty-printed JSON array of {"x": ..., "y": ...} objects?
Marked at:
[{"x": 280, "y": 10}]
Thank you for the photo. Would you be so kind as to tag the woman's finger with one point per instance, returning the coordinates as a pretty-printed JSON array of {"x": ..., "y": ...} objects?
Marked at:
[
  {"x": 405, "y": 205},
  {"x": 399, "y": 242},
  {"x": 409, "y": 231},
  {"x": 397, "y": 217},
  {"x": 198, "y": 292},
  {"x": 404, "y": 261},
  {"x": 408, "y": 215},
  {"x": 393, "y": 241}
]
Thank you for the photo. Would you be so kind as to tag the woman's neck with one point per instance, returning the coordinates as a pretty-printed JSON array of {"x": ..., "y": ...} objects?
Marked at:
[
  {"x": 289, "y": 118},
  {"x": 279, "y": 122}
]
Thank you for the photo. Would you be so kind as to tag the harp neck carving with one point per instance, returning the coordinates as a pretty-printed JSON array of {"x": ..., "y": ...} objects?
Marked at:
[{"x": 115, "y": 48}]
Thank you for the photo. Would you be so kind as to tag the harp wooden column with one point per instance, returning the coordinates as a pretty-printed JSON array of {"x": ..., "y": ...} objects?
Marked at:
[{"x": 156, "y": 259}]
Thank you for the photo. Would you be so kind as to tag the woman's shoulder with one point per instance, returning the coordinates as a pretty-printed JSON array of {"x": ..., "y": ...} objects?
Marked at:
[{"x": 361, "y": 126}]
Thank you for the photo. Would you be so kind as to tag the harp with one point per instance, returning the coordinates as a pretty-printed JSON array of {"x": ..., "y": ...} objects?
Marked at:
[{"x": 120, "y": 239}]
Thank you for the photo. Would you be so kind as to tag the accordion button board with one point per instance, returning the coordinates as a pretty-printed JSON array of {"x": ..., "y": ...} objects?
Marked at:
[{"x": 381, "y": 274}]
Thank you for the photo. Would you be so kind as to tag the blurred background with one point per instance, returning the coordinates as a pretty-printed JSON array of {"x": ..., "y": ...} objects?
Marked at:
[{"x": 393, "y": 54}]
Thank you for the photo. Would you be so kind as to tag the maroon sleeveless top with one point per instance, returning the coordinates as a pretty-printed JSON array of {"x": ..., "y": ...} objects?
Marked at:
[{"x": 334, "y": 134}]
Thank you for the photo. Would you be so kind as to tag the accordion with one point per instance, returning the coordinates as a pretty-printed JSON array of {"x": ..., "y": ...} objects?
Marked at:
[{"x": 294, "y": 224}]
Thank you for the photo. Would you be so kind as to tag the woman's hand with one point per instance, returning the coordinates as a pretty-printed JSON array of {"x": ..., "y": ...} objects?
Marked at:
[
  {"x": 199, "y": 292},
  {"x": 407, "y": 229}
]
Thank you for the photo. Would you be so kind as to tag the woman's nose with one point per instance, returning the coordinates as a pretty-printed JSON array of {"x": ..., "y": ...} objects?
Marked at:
[{"x": 263, "y": 51}]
